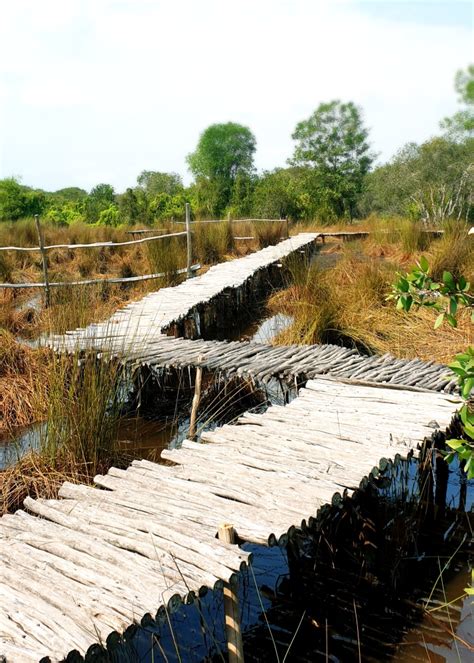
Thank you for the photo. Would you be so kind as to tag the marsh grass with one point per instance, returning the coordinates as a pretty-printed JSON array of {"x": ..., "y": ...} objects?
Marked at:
[
  {"x": 85, "y": 401},
  {"x": 23, "y": 380},
  {"x": 167, "y": 256},
  {"x": 406, "y": 235},
  {"x": 35, "y": 476},
  {"x": 268, "y": 233},
  {"x": 454, "y": 252},
  {"x": 213, "y": 241},
  {"x": 346, "y": 305}
]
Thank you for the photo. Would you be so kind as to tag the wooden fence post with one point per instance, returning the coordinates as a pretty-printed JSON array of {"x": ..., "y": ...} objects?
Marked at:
[
  {"x": 188, "y": 242},
  {"x": 235, "y": 645},
  {"x": 287, "y": 228},
  {"x": 44, "y": 257},
  {"x": 196, "y": 400}
]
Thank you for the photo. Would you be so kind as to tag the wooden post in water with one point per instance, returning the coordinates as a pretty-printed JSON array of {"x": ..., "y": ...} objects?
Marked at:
[
  {"x": 235, "y": 645},
  {"x": 196, "y": 400},
  {"x": 188, "y": 242},
  {"x": 44, "y": 257}
]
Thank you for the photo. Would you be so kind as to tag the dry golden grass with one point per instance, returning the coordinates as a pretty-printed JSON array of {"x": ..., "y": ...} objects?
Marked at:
[
  {"x": 34, "y": 475},
  {"x": 347, "y": 305},
  {"x": 23, "y": 380}
]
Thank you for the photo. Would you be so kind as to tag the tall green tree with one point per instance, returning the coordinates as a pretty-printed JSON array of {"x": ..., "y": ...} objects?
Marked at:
[
  {"x": 333, "y": 142},
  {"x": 432, "y": 182},
  {"x": 461, "y": 124},
  {"x": 223, "y": 152},
  {"x": 17, "y": 200},
  {"x": 134, "y": 206},
  {"x": 155, "y": 182},
  {"x": 100, "y": 198}
]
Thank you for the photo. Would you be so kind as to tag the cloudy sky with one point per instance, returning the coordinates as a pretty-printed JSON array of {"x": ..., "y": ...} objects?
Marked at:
[{"x": 97, "y": 90}]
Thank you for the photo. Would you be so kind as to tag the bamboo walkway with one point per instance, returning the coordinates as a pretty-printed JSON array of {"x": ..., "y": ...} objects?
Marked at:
[
  {"x": 139, "y": 323},
  {"x": 261, "y": 362},
  {"x": 76, "y": 569}
]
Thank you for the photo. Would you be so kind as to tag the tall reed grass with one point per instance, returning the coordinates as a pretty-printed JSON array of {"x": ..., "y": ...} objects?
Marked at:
[
  {"x": 213, "y": 241},
  {"x": 346, "y": 305},
  {"x": 85, "y": 400},
  {"x": 454, "y": 252},
  {"x": 269, "y": 232},
  {"x": 167, "y": 256}
]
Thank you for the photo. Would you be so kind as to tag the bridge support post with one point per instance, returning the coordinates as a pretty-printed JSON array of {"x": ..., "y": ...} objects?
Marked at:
[
  {"x": 235, "y": 645},
  {"x": 196, "y": 400}
]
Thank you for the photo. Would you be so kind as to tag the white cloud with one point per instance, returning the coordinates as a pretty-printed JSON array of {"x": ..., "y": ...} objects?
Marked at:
[{"x": 100, "y": 90}]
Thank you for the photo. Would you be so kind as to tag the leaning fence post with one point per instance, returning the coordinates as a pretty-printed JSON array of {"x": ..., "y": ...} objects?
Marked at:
[
  {"x": 235, "y": 645},
  {"x": 188, "y": 241},
  {"x": 44, "y": 260}
]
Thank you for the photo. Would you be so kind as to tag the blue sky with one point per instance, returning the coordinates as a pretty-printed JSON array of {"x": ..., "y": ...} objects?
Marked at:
[
  {"x": 425, "y": 12},
  {"x": 97, "y": 90}
]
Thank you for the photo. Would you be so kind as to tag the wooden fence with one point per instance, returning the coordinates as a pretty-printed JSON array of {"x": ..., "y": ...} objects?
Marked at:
[{"x": 43, "y": 249}]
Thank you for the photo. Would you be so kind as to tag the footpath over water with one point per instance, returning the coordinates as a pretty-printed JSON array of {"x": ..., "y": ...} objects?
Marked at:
[
  {"x": 140, "y": 323},
  {"x": 150, "y": 332},
  {"x": 76, "y": 569}
]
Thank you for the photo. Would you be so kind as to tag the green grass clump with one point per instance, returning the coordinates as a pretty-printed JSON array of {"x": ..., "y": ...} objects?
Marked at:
[
  {"x": 454, "y": 252},
  {"x": 85, "y": 401},
  {"x": 6, "y": 269},
  {"x": 167, "y": 256}
]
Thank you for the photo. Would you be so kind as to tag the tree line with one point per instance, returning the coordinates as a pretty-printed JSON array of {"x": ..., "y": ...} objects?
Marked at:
[{"x": 329, "y": 177}]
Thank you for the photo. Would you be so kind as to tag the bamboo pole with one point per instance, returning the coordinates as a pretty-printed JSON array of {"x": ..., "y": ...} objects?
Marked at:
[
  {"x": 196, "y": 400},
  {"x": 235, "y": 645},
  {"x": 47, "y": 295},
  {"x": 189, "y": 241}
]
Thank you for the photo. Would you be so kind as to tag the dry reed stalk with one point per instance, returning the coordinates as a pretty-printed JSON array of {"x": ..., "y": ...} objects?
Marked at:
[
  {"x": 34, "y": 476},
  {"x": 23, "y": 380},
  {"x": 347, "y": 305}
]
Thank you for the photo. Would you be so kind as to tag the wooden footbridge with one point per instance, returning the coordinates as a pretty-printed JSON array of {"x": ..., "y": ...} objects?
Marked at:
[
  {"x": 140, "y": 323},
  {"x": 76, "y": 569},
  {"x": 80, "y": 568},
  {"x": 156, "y": 332}
]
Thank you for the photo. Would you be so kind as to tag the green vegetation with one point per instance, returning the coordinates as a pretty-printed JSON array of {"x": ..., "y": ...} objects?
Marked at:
[
  {"x": 330, "y": 178},
  {"x": 419, "y": 289},
  {"x": 333, "y": 144}
]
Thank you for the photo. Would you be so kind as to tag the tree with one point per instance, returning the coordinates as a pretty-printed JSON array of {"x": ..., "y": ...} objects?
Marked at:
[
  {"x": 333, "y": 142},
  {"x": 134, "y": 206},
  {"x": 69, "y": 194},
  {"x": 223, "y": 152},
  {"x": 100, "y": 198},
  {"x": 278, "y": 195},
  {"x": 461, "y": 124},
  {"x": 432, "y": 182},
  {"x": 154, "y": 183},
  {"x": 13, "y": 200}
]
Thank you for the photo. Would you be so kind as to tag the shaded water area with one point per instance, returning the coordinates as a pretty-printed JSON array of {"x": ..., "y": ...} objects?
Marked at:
[{"x": 367, "y": 580}]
